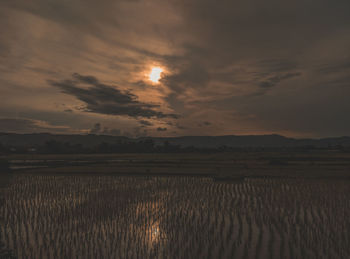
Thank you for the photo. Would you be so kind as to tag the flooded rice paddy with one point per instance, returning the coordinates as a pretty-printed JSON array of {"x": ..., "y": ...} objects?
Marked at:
[{"x": 174, "y": 217}]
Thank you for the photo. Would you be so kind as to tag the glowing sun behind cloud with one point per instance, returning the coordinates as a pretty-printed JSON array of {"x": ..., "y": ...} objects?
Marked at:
[{"x": 155, "y": 74}]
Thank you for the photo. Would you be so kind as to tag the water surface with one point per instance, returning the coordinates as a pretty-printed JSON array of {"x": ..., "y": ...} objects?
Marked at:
[{"x": 50, "y": 216}]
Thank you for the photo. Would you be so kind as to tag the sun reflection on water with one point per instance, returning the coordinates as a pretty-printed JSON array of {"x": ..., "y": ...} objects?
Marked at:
[{"x": 155, "y": 234}]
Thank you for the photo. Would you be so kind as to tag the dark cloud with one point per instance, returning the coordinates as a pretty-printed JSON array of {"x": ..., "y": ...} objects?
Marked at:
[
  {"x": 145, "y": 123},
  {"x": 272, "y": 81},
  {"x": 161, "y": 129},
  {"x": 337, "y": 67},
  {"x": 87, "y": 79},
  {"x": 277, "y": 65},
  {"x": 105, "y": 99},
  {"x": 250, "y": 43}
]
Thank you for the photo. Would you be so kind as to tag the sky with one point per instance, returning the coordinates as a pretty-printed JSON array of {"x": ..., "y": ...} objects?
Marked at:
[{"x": 229, "y": 67}]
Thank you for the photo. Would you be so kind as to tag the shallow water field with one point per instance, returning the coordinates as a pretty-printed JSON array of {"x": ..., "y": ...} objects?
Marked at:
[{"x": 175, "y": 217}]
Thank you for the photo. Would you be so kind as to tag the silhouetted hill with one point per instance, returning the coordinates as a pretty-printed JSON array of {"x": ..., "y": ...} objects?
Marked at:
[
  {"x": 231, "y": 141},
  {"x": 29, "y": 140}
]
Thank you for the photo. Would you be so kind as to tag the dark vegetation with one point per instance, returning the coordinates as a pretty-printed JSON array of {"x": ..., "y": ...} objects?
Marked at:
[
  {"x": 6, "y": 253},
  {"x": 4, "y": 179},
  {"x": 101, "y": 144},
  {"x": 75, "y": 216}
]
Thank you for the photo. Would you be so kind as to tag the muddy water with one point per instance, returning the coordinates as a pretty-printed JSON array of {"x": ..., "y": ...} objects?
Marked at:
[{"x": 175, "y": 217}]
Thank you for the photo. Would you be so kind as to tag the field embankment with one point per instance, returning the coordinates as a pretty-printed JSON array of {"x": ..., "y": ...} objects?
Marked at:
[{"x": 219, "y": 165}]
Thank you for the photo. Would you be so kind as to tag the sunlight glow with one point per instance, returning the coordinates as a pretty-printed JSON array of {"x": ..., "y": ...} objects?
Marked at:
[{"x": 155, "y": 74}]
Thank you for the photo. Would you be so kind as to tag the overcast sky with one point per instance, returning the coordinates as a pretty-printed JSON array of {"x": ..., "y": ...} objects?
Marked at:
[{"x": 229, "y": 67}]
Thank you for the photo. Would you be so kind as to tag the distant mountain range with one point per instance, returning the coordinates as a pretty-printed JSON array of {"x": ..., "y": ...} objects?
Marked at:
[
  {"x": 245, "y": 141},
  {"x": 233, "y": 141}
]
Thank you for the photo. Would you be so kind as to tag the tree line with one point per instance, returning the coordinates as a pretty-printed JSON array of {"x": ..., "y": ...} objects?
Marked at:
[{"x": 142, "y": 146}]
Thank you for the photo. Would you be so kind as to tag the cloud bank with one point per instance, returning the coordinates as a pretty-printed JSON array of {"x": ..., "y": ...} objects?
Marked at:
[
  {"x": 106, "y": 99},
  {"x": 244, "y": 67}
]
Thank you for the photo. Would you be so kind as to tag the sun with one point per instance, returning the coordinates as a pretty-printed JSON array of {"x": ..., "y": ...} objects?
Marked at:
[{"x": 155, "y": 74}]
